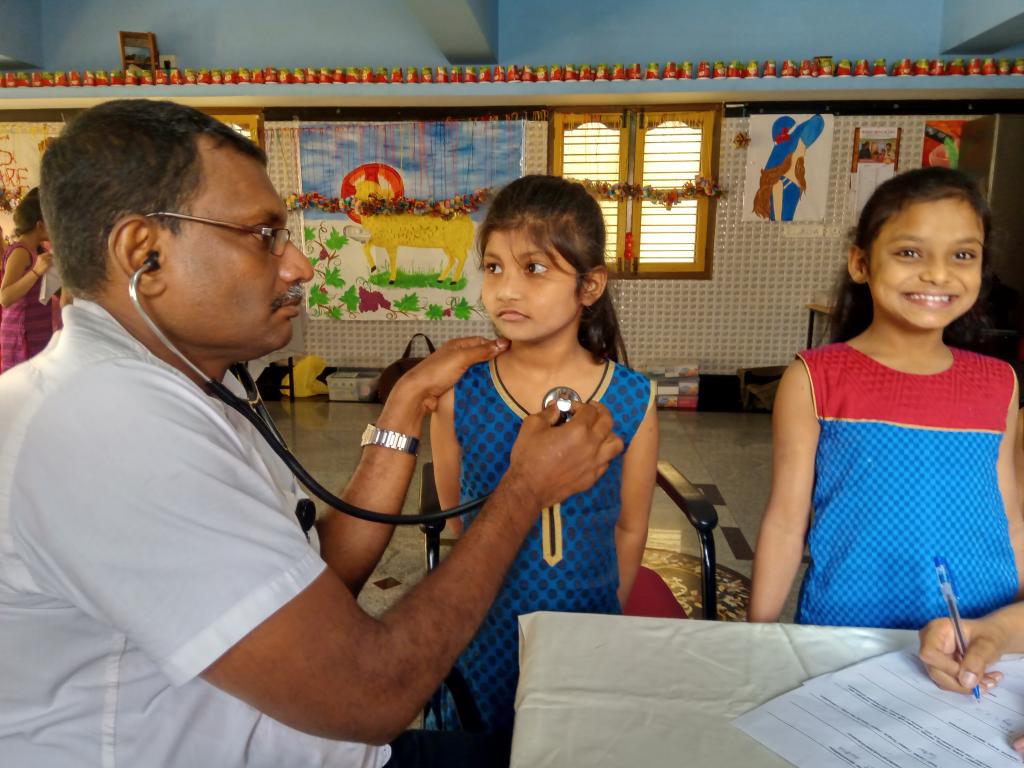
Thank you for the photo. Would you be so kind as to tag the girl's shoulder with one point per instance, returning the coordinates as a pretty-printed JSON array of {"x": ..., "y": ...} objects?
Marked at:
[
  {"x": 970, "y": 359},
  {"x": 629, "y": 375},
  {"x": 475, "y": 376},
  {"x": 626, "y": 385},
  {"x": 629, "y": 387},
  {"x": 828, "y": 354},
  {"x": 983, "y": 371},
  {"x": 16, "y": 246}
]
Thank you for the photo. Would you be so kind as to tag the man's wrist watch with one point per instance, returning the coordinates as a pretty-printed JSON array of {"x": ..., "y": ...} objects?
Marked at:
[{"x": 388, "y": 438}]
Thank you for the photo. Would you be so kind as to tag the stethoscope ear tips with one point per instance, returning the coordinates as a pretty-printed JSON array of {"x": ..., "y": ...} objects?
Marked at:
[{"x": 563, "y": 398}]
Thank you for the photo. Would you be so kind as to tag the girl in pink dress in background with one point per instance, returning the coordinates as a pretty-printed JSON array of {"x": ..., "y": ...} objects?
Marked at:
[{"x": 26, "y": 325}]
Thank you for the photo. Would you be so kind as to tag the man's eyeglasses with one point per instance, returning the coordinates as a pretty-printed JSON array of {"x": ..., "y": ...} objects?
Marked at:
[{"x": 276, "y": 238}]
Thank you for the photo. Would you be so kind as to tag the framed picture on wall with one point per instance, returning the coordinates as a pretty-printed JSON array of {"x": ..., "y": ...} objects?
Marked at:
[
  {"x": 876, "y": 145},
  {"x": 876, "y": 158},
  {"x": 138, "y": 49}
]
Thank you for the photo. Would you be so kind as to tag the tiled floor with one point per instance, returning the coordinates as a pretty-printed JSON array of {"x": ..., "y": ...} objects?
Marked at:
[{"x": 727, "y": 455}]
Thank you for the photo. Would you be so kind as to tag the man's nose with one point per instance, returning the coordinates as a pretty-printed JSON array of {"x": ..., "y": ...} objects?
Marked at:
[{"x": 295, "y": 267}]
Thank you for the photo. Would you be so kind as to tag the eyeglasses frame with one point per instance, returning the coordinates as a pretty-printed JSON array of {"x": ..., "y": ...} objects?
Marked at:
[{"x": 269, "y": 234}]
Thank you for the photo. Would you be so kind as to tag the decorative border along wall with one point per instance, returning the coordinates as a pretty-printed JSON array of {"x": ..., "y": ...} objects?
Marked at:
[{"x": 752, "y": 312}]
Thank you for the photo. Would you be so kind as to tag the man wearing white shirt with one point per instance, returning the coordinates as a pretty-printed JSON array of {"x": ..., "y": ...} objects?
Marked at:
[{"x": 159, "y": 603}]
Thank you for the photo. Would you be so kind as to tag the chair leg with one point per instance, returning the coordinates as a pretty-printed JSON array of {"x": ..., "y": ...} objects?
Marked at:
[
  {"x": 708, "y": 578},
  {"x": 701, "y": 514},
  {"x": 465, "y": 706}
]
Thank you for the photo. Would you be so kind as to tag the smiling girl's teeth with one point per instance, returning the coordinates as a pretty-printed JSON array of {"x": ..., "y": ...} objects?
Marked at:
[{"x": 945, "y": 299}]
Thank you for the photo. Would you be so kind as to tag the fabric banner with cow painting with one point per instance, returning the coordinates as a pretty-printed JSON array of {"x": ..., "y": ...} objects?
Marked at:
[{"x": 402, "y": 247}]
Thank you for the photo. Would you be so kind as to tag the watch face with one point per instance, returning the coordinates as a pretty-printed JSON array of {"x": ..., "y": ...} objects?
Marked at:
[{"x": 368, "y": 434}]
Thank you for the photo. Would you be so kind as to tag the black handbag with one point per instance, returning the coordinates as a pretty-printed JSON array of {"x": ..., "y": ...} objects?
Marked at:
[{"x": 390, "y": 375}]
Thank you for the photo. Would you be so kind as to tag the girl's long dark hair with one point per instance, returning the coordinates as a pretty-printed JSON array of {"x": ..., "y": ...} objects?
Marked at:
[
  {"x": 853, "y": 310},
  {"x": 561, "y": 216},
  {"x": 28, "y": 213}
]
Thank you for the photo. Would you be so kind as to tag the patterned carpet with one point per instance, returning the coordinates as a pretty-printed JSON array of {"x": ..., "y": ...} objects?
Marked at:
[{"x": 682, "y": 573}]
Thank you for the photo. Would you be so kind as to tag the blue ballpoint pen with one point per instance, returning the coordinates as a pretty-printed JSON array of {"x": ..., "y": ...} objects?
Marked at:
[{"x": 949, "y": 593}]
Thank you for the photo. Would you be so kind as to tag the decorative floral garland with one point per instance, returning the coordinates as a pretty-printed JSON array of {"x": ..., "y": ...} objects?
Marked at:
[
  {"x": 663, "y": 196},
  {"x": 378, "y": 205}
]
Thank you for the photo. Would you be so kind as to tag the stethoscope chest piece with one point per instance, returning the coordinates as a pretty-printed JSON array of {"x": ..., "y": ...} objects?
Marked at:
[{"x": 563, "y": 398}]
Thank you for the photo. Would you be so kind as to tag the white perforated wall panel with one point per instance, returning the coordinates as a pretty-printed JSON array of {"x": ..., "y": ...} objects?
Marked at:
[{"x": 752, "y": 312}]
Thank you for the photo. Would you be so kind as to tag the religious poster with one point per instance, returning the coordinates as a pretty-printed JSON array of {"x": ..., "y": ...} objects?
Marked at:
[
  {"x": 942, "y": 143},
  {"x": 788, "y": 162},
  {"x": 391, "y": 211}
]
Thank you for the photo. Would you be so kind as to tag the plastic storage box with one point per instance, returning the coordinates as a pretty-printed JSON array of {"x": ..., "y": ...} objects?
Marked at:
[{"x": 354, "y": 386}]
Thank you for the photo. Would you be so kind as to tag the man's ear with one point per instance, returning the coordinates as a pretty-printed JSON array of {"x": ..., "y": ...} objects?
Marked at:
[
  {"x": 857, "y": 264},
  {"x": 593, "y": 285},
  {"x": 134, "y": 243}
]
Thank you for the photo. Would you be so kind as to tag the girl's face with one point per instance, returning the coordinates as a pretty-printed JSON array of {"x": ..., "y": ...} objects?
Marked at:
[
  {"x": 924, "y": 267},
  {"x": 530, "y": 293}
]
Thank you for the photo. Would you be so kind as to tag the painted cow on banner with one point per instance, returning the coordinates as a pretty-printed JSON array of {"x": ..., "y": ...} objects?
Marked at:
[{"x": 391, "y": 231}]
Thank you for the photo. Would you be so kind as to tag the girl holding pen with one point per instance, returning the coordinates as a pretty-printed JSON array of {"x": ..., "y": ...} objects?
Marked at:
[
  {"x": 986, "y": 640},
  {"x": 901, "y": 443}
]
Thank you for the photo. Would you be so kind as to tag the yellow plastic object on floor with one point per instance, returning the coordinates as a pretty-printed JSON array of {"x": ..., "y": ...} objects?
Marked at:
[{"x": 306, "y": 371}]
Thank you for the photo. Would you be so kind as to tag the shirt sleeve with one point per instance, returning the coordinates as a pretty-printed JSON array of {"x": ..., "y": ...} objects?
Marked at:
[{"x": 137, "y": 501}]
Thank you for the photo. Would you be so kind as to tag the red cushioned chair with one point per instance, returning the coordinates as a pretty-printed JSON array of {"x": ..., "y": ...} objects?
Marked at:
[{"x": 651, "y": 596}]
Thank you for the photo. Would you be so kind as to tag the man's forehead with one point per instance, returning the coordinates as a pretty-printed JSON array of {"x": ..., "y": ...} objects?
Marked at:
[{"x": 232, "y": 176}]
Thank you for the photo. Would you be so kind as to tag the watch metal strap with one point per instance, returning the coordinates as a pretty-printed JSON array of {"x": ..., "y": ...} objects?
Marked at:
[{"x": 388, "y": 438}]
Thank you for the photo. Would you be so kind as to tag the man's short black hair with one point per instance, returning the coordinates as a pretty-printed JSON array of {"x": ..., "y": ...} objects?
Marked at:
[{"x": 118, "y": 158}]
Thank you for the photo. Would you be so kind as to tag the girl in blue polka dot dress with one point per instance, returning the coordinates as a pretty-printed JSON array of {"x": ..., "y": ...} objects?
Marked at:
[
  {"x": 902, "y": 446},
  {"x": 543, "y": 250}
]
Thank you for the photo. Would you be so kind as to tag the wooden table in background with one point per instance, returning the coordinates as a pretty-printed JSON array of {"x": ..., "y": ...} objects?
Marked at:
[{"x": 812, "y": 310}]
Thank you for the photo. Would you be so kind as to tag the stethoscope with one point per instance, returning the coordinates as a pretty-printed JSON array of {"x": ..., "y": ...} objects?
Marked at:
[{"x": 255, "y": 412}]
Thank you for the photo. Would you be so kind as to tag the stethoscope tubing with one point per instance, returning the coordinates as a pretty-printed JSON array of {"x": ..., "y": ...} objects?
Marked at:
[{"x": 256, "y": 414}]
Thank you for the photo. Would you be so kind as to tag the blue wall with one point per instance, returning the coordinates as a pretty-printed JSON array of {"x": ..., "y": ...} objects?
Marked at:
[
  {"x": 217, "y": 34},
  {"x": 20, "y": 40},
  {"x": 82, "y": 34},
  {"x": 542, "y": 31},
  {"x": 966, "y": 19}
]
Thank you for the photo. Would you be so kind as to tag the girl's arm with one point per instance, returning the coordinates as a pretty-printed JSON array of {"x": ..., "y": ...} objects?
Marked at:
[
  {"x": 21, "y": 274},
  {"x": 780, "y": 543},
  {"x": 639, "y": 468},
  {"x": 1007, "y": 467},
  {"x": 447, "y": 457}
]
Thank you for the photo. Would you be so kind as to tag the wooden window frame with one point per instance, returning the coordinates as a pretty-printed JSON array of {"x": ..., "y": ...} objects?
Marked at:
[{"x": 632, "y": 119}]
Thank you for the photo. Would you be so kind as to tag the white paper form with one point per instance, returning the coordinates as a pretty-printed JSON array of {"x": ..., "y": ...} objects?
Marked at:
[
  {"x": 886, "y": 713},
  {"x": 49, "y": 284}
]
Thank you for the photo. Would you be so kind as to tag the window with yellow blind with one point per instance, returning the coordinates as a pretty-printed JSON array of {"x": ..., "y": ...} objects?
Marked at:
[{"x": 661, "y": 149}]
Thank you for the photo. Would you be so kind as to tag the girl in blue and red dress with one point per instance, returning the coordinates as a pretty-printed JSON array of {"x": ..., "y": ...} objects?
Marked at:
[
  {"x": 900, "y": 442},
  {"x": 542, "y": 246}
]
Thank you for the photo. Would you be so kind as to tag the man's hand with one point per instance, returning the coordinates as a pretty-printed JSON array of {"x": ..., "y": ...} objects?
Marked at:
[
  {"x": 986, "y": 641},
  {"x": 424, "y": 384},
  {"x": 554, "y": 462}
]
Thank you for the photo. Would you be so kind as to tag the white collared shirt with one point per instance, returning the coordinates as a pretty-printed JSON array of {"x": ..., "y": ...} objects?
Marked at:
[{"x": 144, "y": 530}]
